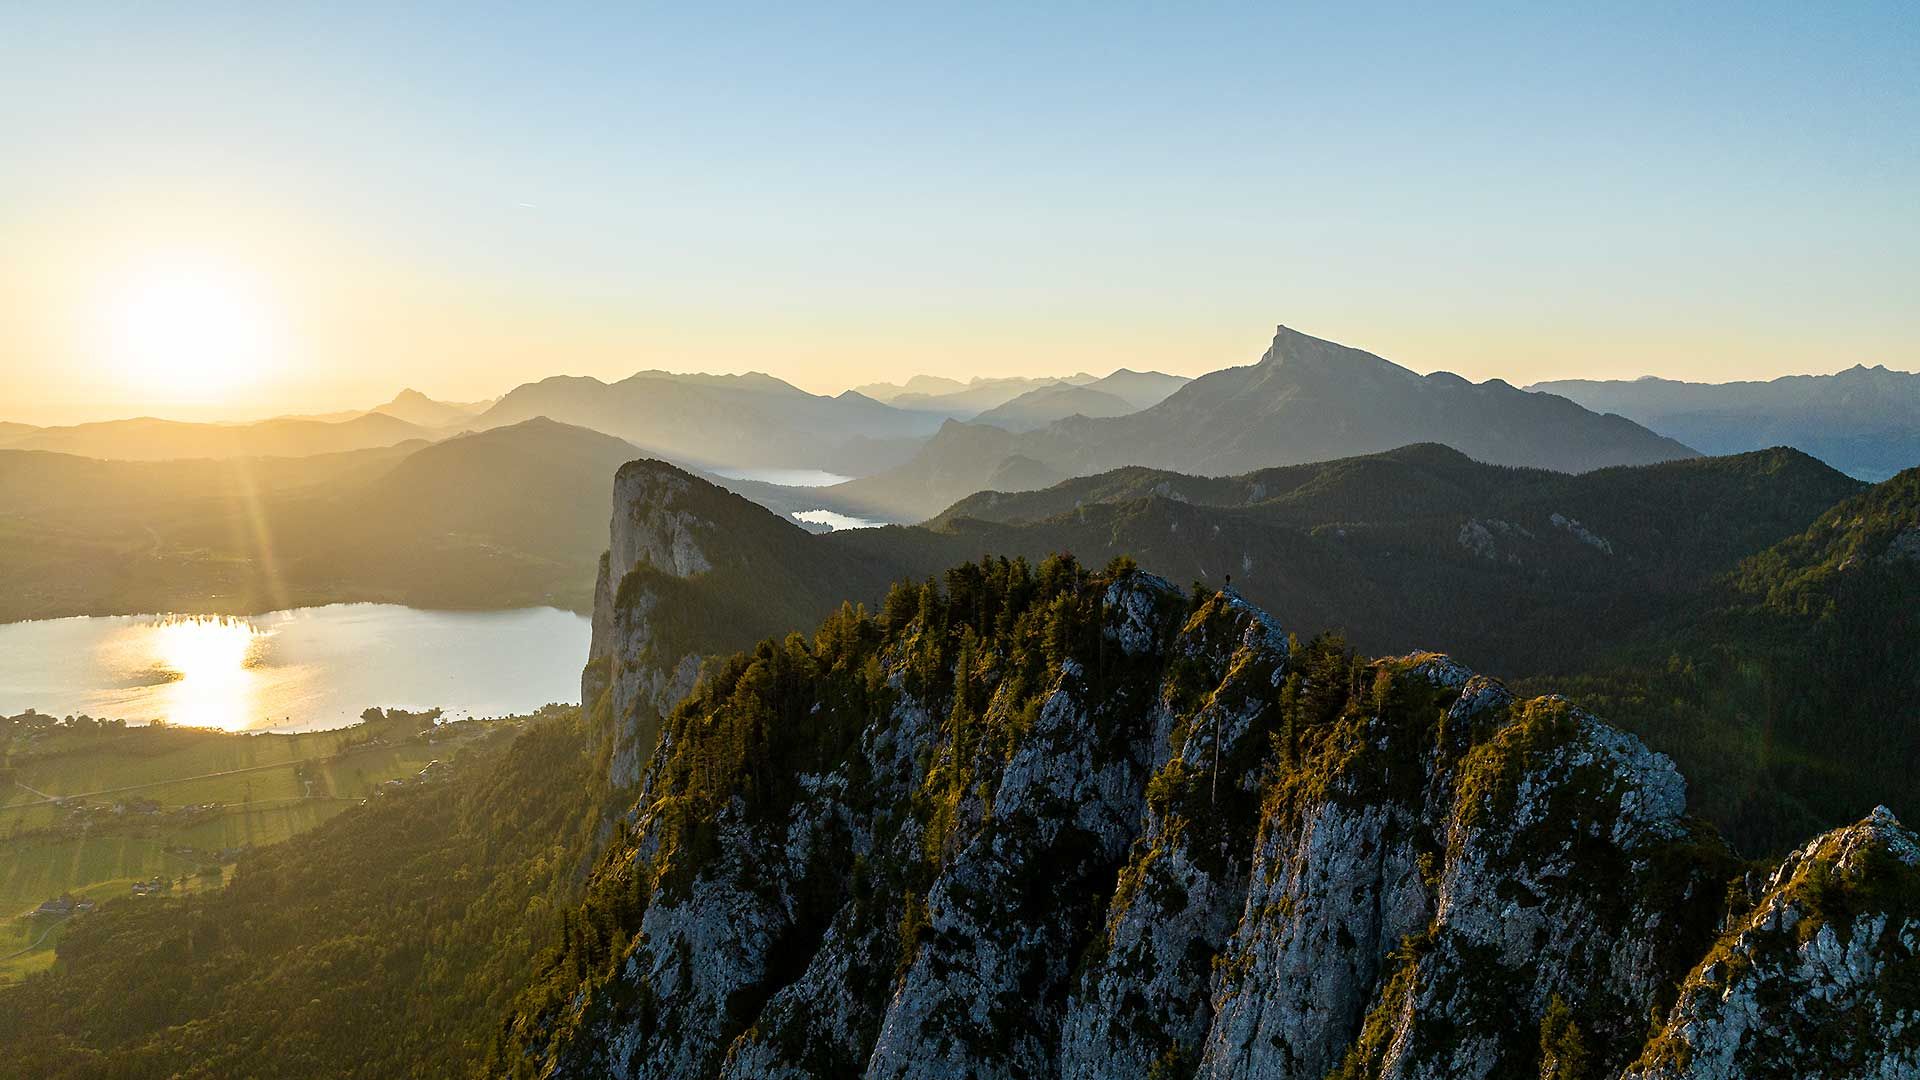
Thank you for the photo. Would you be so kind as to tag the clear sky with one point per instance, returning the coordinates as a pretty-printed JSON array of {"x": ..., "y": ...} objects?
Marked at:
[{"x": 210, "y": 207}]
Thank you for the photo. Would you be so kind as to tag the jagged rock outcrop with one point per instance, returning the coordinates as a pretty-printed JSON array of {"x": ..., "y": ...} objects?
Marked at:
[
  {"x": 692, "y": 571},
  {"x": 1043, "y": 822},
  {"x": 1820, "y": 978}
]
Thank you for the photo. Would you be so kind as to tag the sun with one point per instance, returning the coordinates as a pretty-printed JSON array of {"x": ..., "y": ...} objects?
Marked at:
[{"x": 189, "y": 330}]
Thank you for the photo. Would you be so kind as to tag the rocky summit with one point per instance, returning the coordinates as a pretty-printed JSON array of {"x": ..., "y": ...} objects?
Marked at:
[{"x": 1049, "y": 822}]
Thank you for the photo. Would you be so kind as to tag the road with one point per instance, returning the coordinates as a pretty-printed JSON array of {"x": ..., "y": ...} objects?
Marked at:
[
  {"x": 44, "y": 797},
  {"x": 58, "y": 923}
]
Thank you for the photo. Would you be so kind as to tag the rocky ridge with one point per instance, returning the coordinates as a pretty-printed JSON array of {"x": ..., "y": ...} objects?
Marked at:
[{"x": 1043, "y": 822}]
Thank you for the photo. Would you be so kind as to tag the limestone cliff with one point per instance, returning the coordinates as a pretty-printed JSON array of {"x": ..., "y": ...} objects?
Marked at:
[
  {"x": 692, "y": 571},
  {"x": 1042, "y": 822},
  {"x": 643, "y": 672}
]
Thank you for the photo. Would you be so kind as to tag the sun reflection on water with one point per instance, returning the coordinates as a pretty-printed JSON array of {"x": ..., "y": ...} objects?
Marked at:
[{"x": 210, "y": 662}]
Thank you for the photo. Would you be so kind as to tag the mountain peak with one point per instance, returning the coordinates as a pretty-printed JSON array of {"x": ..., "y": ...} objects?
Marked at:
[{"x": 1292, "y": 348}]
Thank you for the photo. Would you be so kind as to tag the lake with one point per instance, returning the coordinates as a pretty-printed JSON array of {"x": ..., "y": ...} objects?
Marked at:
[
  {"x": 304, "y": 669},
  {"x": 786, "y": 477},
  {"x": 835, "y": 520}
]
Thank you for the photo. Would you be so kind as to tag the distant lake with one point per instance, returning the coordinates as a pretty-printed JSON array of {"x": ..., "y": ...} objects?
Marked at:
[
  {"x": 786, "y": 477},
  {"x": 303, "y": 669},
  {"x": 834, "y": 520}
]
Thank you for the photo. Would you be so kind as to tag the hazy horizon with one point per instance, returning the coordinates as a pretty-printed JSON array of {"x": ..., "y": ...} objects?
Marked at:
[
  {"x": 57, "y": 414},
  {"x": 225, "y": 212}
]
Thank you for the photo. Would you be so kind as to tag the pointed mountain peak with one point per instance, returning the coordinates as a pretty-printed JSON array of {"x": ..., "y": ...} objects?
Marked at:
[{"x": 1291, "y": 348}]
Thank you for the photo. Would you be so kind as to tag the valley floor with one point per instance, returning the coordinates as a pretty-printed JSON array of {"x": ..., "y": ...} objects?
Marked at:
[{"x": 98, "y": 811}]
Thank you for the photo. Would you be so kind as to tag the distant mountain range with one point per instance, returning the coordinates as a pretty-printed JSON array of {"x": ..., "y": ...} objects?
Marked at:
[
  {"x": 1038, "y": 408},
  {"x": 1864, "y": 421},
  {"x": 148, "y": 439},
  {"x": 751, "y": 420},
  {"x": 1307, "y": 399},
  {"x": 410, "y": 415},
  {"x": 422, "y": 411},
  {"x": 956, "y": 400},
  {"x": 1118, "y": 394}
]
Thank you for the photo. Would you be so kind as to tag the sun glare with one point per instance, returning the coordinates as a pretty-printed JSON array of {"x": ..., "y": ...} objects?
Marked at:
[
  {"x": 189, "y": 331},
  {"x": 211, "y": 661}
]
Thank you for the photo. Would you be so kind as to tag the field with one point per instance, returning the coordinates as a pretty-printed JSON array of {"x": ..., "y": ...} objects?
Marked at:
[{"x": 89, "y": 810}]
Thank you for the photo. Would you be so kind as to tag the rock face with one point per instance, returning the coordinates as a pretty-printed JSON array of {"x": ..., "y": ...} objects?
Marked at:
[
  {"x": 693, "y": 571},
  {"x": 1053, "y": 823},
  {"x": 652, "y": 527},
  {"x": 1818, "y": 979}
]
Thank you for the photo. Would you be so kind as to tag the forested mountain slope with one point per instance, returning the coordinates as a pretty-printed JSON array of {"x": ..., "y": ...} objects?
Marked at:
[
  {"x": 386, "y": 943},
  {"x": 1792, "y": 687},
  {"x": 511, "y": 516},
  {"x": 1422, "y": 545}
]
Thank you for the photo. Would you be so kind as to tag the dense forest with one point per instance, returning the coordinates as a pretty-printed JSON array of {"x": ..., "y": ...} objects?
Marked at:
[
  {"x": 1790, "y": 692},
  {"x": 386, "y": 943}
]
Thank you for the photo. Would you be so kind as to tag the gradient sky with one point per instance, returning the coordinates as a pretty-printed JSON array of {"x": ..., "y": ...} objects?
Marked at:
[{"x": 464, "y": 197}]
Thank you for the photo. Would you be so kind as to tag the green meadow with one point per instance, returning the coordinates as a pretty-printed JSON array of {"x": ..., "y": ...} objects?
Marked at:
[{"x": 88, "y": 810}]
